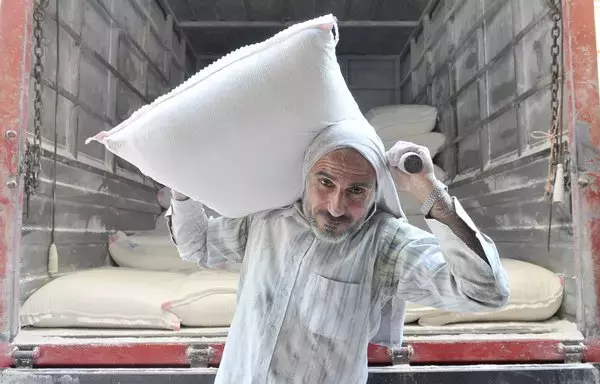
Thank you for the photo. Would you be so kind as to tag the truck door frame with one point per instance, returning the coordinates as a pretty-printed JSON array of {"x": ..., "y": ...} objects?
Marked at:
[
  {"x": 582, "y": 122},
  {"x": 15, "y": 37}
]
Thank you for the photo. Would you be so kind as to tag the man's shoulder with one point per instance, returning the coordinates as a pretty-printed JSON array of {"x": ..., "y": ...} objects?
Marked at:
[
  {"x": 384, "y": 219},
  {"x": 274, "y": 214}
]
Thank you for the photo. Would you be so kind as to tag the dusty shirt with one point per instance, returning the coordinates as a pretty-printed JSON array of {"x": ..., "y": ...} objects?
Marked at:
[{"x": 307, "y": 309}]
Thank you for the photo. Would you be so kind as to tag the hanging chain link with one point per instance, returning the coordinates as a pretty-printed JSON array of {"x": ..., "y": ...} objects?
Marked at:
[
  {"x": 555, "y": 67},
  {"x": 555, "y": 132},
  {"x": 33, "y": 150}
]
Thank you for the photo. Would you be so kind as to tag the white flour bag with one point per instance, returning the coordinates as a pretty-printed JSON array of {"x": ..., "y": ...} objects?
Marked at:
[{"x": 233, "y": 136}]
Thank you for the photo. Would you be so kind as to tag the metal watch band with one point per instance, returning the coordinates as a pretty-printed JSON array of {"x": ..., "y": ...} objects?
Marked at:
[{"x": 438, "y": 191}]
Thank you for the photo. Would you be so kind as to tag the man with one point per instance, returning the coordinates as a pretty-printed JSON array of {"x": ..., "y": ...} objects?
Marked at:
[{"x": 315, "y": 276}]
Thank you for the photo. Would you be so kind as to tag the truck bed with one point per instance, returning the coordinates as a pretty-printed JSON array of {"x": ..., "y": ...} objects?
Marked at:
[
  {"x": 469, "y": 343},
  {"x": 485, "y": 66},
  {"x": 553, "y": 328}
]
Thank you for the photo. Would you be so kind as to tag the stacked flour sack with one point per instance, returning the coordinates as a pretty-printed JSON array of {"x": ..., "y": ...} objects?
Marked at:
[
  {"x": 414, "y": 123},
  {"x": 146, "y": 286}
]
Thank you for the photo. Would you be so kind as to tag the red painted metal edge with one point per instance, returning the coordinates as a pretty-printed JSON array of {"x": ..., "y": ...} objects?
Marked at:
[
  {"x": 591, "y": 353},
  {"x": 582, "y": 122},
  {"x": 378, "y": 355},
  {"x": 475, "y": 351},
  {"x": 124, "y": 355},
  {"x": 15, "y": 27},
  {"x": 6, "y": 355},
  {"x": 175, "y": 355},
  {"x": 217, "y": 354}
]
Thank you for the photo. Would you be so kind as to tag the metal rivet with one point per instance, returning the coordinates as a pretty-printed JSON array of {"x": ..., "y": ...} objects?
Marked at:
[
  {"x": 10, "y": 134},
  {"x": 583, "y": 181},
  {"x": 11, "y": 184}
]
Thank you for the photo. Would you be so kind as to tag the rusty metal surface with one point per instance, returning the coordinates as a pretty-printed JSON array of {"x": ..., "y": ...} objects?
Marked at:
[
  {"x": 583, "y": 123},
  {"x": 15, "y": 22}
]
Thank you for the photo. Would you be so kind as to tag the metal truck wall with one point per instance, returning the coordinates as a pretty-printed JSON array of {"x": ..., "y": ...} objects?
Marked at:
[
  {"x": 373, "y": 80},
  {"x": 114, "y": 56},
  {"x": 15, "y": 19},
  {"x": 486, "y": 65}
]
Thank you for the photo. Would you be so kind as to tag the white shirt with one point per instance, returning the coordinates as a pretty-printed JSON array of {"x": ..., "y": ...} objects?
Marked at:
[{"x": 307, "y": 309}]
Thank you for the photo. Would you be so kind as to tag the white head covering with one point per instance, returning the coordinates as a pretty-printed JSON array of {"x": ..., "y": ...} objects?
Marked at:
[{"x": 359, "y": 135}]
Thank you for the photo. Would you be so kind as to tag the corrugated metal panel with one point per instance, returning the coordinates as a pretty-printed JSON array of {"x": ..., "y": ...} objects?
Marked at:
[
  {"x": 490, "y": 80},
  {"x": 371, "y": 79},
  {"x": 249, "y": 17},
  {"x": 115, "y": 56},
  {"x": 278, "y": 10}
]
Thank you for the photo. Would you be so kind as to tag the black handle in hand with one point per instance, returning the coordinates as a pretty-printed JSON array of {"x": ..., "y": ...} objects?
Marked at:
[{"x": 412, "y": 163}]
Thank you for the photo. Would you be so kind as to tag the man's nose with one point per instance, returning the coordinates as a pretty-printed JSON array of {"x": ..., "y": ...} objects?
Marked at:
[{"x": 336, "y": 204}]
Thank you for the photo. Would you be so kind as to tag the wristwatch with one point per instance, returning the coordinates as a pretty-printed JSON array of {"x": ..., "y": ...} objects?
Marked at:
[{"x": 439, "y": 189}]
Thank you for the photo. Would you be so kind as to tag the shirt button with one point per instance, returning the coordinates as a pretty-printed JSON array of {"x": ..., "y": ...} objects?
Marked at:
[{"x": 284, "y": 292}]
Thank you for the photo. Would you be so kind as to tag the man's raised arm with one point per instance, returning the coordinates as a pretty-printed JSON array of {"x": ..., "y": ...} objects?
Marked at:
[
  {"x": 457, "y": 267},
  {"x": 211, "y": 242}
]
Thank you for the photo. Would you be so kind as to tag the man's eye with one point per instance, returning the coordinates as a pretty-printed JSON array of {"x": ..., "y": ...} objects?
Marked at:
[
  {"x": 357, "y": 191},
  {"x": 326, "y": 183}
]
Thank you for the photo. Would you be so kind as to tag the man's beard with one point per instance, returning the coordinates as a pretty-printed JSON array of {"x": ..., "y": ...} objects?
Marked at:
[{"x": 331, "y": 236}]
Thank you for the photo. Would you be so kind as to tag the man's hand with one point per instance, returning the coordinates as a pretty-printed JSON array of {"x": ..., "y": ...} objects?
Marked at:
[
  {"x": 178, "y": 196},
  {"x": 421, "y": 184}
]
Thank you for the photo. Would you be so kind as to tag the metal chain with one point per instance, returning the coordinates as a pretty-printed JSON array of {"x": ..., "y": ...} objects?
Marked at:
[
  {"x": 555, "y": 68},
  {"x": 33, "y": 150},
  {"x": 556, "y": 132}
]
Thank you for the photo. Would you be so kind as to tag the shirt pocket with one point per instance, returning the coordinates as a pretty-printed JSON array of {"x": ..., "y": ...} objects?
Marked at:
[{"x": 331, "y": 308}]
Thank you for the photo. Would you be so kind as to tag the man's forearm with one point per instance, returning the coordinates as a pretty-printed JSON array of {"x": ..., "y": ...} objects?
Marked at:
[{"x": 444, "y": 212}]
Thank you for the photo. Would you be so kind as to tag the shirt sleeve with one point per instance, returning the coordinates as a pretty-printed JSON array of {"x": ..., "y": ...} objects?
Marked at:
[
  {"x": 439, "y": 270},
  {"x": 210, "y": 242}
]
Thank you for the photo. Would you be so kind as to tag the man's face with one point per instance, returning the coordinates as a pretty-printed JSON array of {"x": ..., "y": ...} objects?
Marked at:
[{"x": 340, "y": 191}]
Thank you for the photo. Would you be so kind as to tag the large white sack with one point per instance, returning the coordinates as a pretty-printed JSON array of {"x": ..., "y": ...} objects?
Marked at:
[
  {"x": 152, "y": 250},
  {"x": 403, "y": 120},
  {"x": 105, "y": 298},
  {"x": 207, "y": 298},
  {"x": 233, "y": 136},
  {"x": 149, "y": 251},
  {"x": 434, "y": 141},
  {"x": 535, "y": 295},
  {"x": 415, "y": 311}
]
